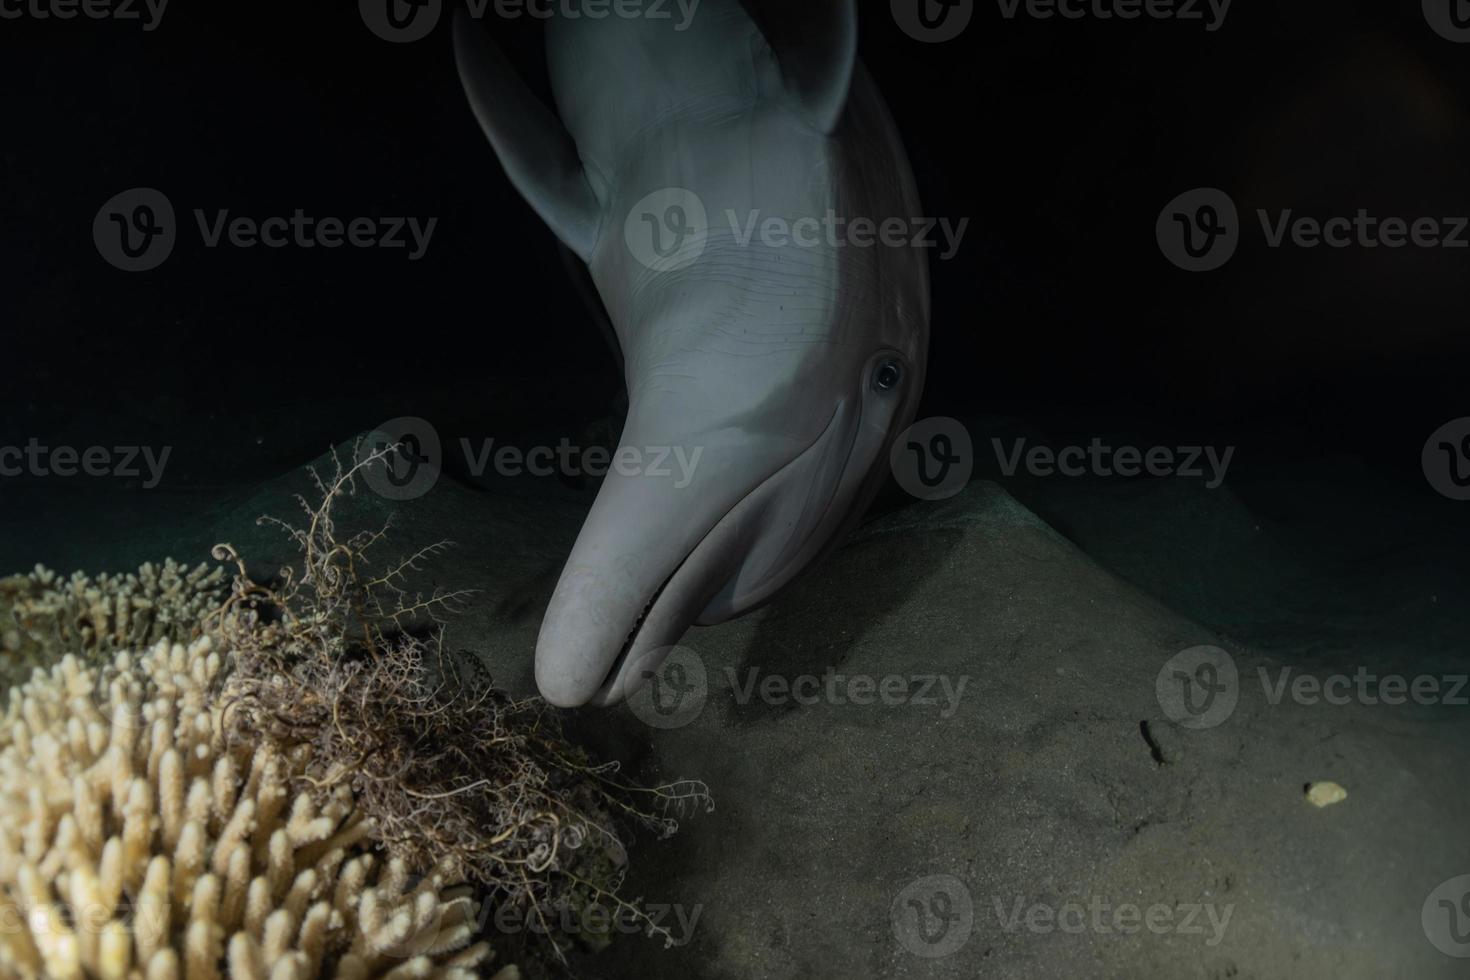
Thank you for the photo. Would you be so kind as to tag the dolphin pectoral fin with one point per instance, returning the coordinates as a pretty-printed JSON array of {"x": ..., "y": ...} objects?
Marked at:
[
  {"x": 814, "y": 43},
  {"x": 537, "y": 152}
]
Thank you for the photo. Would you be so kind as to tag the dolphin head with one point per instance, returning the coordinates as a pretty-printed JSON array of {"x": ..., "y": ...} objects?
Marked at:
[
  {"x": 768, "y": 371},
  {"x": 773, "y": 423}
]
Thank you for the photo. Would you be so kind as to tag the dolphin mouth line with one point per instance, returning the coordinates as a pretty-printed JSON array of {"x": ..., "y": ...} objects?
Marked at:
[
  {"x": 698, "y": 560},
  {"x": 615, "y": 670}
]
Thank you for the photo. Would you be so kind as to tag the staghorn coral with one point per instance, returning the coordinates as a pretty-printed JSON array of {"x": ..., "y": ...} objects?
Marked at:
[
  {"x": 292, "y": 794},
  {"x": 139, "y": 840},
  {"x": 44, "y": 614}
]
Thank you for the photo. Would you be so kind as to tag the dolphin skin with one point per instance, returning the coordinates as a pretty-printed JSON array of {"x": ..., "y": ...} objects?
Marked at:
[{"x": 721, "y": 178}]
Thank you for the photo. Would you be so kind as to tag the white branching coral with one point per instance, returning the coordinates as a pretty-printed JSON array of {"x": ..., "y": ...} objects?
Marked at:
[
  {"x": 137, "y": 840},
  {"x": 44, "y": 614},
  {"x": 297, "y": 780}
]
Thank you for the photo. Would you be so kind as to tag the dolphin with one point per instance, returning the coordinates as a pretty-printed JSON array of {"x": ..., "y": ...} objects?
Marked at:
[{"x": 721, "y": 179}]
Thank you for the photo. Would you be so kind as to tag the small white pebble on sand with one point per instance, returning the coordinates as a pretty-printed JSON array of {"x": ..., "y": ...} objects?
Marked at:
[{"x": 1325, "y": 794}]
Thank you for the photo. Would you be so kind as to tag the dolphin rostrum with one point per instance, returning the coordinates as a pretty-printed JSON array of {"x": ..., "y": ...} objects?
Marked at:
[{"x": 724, "y": 180}]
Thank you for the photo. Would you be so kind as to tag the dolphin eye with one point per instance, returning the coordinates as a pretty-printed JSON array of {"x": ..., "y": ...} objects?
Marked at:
[{"x": 887, "y": 375}]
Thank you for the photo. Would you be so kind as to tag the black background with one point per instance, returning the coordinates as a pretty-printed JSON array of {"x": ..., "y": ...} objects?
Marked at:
[{"x": 1060, "y": 140}]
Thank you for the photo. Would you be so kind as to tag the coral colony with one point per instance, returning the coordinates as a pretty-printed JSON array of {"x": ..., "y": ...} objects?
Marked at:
[{"x": 290, "y": 779}]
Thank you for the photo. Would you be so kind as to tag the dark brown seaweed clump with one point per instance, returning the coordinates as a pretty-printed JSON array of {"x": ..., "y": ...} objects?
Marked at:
[{"x": 340, "y": 656}]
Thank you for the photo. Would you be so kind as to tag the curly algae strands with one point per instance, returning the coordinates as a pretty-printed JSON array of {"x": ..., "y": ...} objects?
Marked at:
[{"x": 342, "y": 657}]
